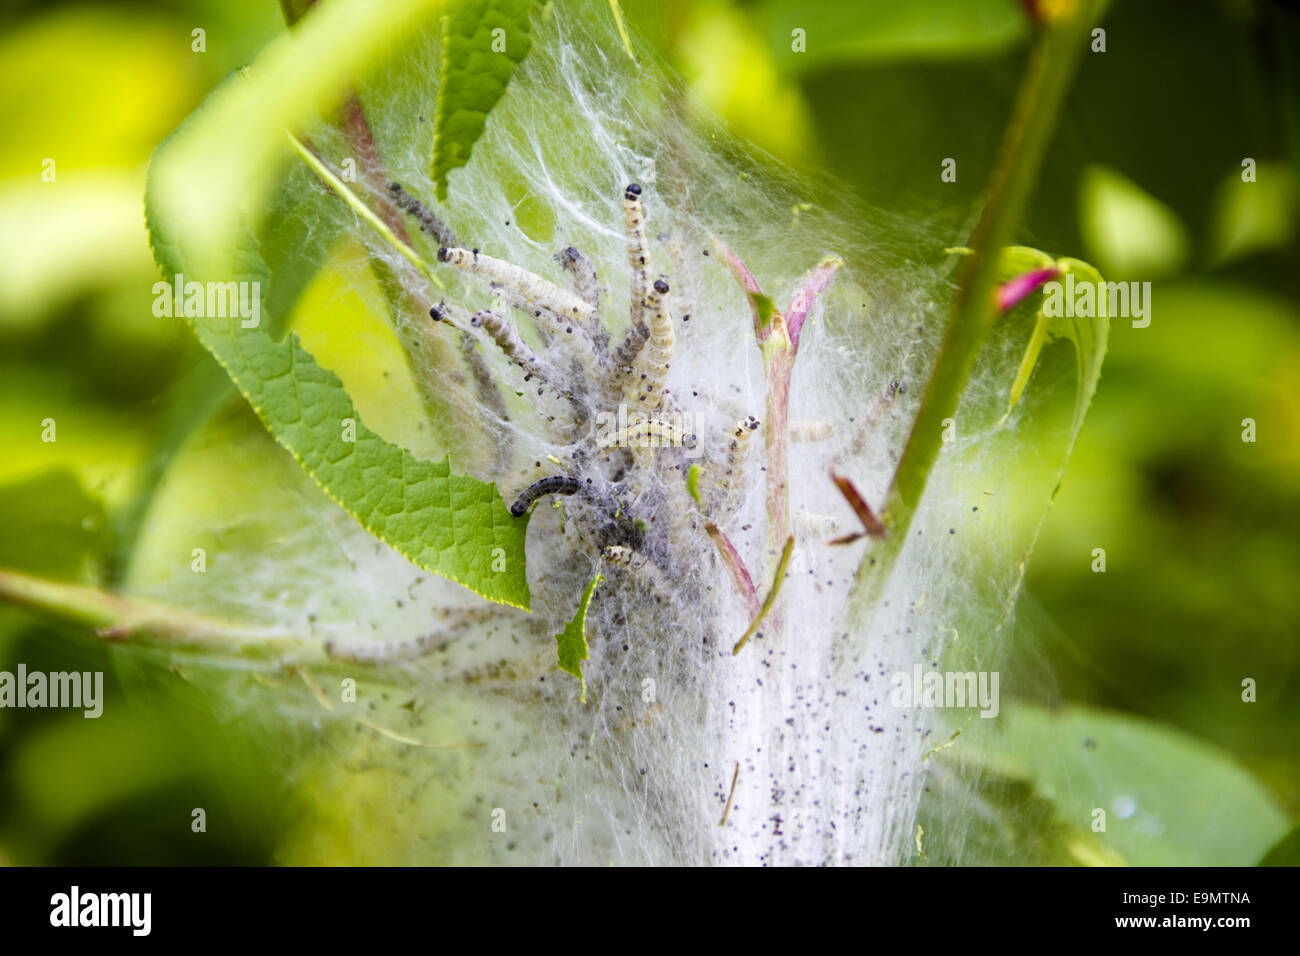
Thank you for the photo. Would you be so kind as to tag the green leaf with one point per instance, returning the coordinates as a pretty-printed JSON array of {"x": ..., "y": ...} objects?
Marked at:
[
  {"x": 483, "y": 41},
  {"x": 1088, "y": 335},
  {"x": 453, "y": 525},
  {"x": 572, "y": 642},
  {"x": 1127, "y": 231},
  {"x": 763, "y": 307},
  {"x": 1253, "y": 217},
  {"x": 302, "y": 226},
  {"x": 1170, "y": 800},
  {"x": 839, "y": 33},
  {"x": 50, "y": 526},
  {"x": 1285, "y": 852}
]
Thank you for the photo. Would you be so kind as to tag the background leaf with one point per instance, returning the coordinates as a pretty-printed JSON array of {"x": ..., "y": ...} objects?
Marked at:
[
  {"x": 1169, "y": 799},
  {"x": 837, "y": 32},
  {"x": 1286, "y": 852},
  {"x": 1128, "y": 232},
  {"x": 474, "y": 75}
]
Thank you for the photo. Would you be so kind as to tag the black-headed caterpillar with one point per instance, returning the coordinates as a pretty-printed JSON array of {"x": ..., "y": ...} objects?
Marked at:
[{"x": 553, "y": 485}]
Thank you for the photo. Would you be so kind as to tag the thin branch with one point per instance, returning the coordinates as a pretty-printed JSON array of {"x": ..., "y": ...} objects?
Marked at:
[
  {"x": 116, "y": 618},
  {"x": 323, "y": 699}
]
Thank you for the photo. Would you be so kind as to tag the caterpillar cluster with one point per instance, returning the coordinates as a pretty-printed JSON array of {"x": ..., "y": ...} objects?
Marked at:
[{"x": 639, "y": 469}]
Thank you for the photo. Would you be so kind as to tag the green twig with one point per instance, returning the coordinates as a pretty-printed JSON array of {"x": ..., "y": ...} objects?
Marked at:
[{"x": 116, "y": 618}]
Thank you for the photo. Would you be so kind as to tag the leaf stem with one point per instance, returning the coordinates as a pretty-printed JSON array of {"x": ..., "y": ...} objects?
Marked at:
[{"x": 340, "y": 188}]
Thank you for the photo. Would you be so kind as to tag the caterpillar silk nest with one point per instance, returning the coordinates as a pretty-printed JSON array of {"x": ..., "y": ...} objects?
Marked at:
[{"x": 584, "y": 249}]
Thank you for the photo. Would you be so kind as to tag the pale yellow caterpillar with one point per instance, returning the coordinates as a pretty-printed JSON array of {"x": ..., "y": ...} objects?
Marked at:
[
  {"x": 810, "y": 525},
  {"x": 528, "y": 292},
  {"x": 647, "y": 433},
  {"x": 650, "y": 370},
  {"x": 814, "y": 430},
  {"x": 373, "y": 653},
  {"x": 726, "y": 489},
  {"x": 638, "y": 253}
]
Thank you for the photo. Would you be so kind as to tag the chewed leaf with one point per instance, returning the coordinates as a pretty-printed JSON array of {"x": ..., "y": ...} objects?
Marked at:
[
  {"x": 451, "y": 524},
  {"x": 483, "y": 42},
  {"x": 1032, "y": 392},
  {"x": 572, "y": 641}
]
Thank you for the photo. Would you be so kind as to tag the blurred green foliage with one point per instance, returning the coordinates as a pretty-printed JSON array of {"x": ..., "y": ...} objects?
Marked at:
[{"x": 1201, "y": 530}]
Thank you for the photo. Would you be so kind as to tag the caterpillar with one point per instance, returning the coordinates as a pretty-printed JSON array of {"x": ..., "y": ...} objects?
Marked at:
[
  {"x": 647, "y": 433},
  {"x": 638, "y": 253},
  {"x": 585, "y": 283},
  {"x": 727, "y": 486},
  {"x": 810, "y": 525},
  {"x": 526, "y": 291},
  {"x": 380, "y": 652},
  {"x": 629, "y": 559},
  {"x": 875, "y": 413},
  {"x": 883, "y": 401},
  {"x": 810, "y": 431},
  {"x": 429, "y": 223},
  {"x": 488, "y": 393},
  {"x": 553, "y": 485},
  {"x": 623, "y": 556},
  {"x": 593, "y": 362},
  {"x": 511, "y": 345},
  {"x": 631, "y": 345},
  {"x": 650, "y": 370}
]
